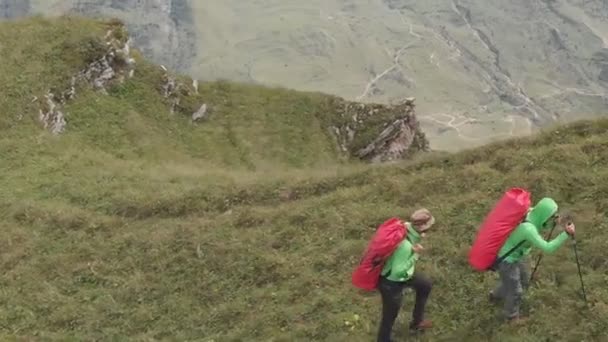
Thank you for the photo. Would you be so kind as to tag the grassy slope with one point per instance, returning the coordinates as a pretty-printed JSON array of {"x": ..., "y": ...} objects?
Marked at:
[{"x": 137, "y": 225}]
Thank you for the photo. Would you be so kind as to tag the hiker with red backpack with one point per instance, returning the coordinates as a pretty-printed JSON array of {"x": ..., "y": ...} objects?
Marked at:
[
  {"x": 389, "y": 266},
  {"x": 399, "y": 272},
  {"x": 512, "y": 269},
  {"x": 506, "y": 237}
]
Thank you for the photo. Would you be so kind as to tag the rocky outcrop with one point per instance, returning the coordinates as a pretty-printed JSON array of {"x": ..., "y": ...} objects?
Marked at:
[
  {"x": 51, "y": 114},
  {"x": 169, "y": 89},
  {"x": 112, "y": 64},
  {"x": 200, "y": 114},
  {"x": 378, "y": 132},
  {"x": 163, "y": 29},
  {"x": 182, "y": 96},
  {"x": 115, "y": 64},
  {"x": 367, "y": 131}
]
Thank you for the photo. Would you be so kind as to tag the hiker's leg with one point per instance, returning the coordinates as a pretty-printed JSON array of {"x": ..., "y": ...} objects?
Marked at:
[
  {"x": 499, "y": 290},
  {"x": 422, "y": 285},
  {"x": 509, "y": 273},
  {"x": 524, "y": 274},
  {"x": 392, "y": 295}
]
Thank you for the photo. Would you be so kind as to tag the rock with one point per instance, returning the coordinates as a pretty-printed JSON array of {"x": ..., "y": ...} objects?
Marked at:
[
  {"x": 175, "y": 103},
  {"x": 377, "y": 132},
  {"x": 168, "y": 85},
  {"x": 70, "y": 93},
  {"x": 182, "y": 97},
  {"x": 350, "y": 134},
  {"x": 195, "y": 85},
  {"x": 106, "y": 75},
  {"x": 111, "y": 66},
  {"x": 170, "y": 90},
  {"x": 392, "y": 142},
  {"x": 126, "y": 49},
  {"x": 51, "y": 117},
  {"x": 200, "y": 114}
]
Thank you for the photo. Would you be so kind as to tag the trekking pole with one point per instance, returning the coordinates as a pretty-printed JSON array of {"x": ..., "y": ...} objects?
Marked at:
[
  {"x": 540, "y": 257},
  {"x": 578, "y": 265}
]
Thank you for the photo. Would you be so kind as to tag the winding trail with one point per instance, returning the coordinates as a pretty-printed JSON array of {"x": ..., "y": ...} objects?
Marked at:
[
  {"x": 565, "y": 90},
  {"x": 395, "y": 57},
  {"x": 456, "y": 126}
]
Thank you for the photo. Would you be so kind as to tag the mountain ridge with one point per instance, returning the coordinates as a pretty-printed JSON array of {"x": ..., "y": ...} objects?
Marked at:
[
  {"x": 142, "y": 221},
  {"x": 481, "y": 70}
]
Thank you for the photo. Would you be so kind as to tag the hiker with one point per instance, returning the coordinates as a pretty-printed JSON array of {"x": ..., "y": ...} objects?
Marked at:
[
  {"x": 514, "y": 277},
  {"x": 398, "y": 273}
]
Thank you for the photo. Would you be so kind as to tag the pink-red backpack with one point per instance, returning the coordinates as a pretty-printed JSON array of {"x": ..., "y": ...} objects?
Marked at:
[
  {"x": 384, "y": 242},
  {"x": 506, "y": 215}
]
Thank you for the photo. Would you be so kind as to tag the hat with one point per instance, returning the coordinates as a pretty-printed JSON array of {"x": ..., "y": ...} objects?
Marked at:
[{"x": 423, "y": 219}]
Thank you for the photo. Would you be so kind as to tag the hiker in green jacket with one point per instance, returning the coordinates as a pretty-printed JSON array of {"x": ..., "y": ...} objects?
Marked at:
[
  {"x": 514, "y": 277},
  {"x": 398, "y": 273}
]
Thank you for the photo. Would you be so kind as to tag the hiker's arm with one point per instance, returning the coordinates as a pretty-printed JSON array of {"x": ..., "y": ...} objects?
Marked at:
[
  {"x": 548, "y": 247},
  {"x": 406, "y": 258}
]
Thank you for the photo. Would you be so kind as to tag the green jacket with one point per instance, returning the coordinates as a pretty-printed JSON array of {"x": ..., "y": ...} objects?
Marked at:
[
  {"x": 530, "y": 229},
  {"x": 400, "y": 265}
]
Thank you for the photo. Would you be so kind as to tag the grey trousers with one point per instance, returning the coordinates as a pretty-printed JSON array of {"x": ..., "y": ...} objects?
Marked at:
[{"x": 514, "y": 279}]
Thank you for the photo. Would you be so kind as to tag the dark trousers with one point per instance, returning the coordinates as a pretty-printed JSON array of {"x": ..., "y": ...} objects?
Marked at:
[{"x": 392, "y": 297}]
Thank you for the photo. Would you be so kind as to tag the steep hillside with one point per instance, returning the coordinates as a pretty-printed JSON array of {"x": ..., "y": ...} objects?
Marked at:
[
  {"x": 482, "y": 69},
  {"x": 149, "y": 111},
  {"x": 132, "y": 219}
]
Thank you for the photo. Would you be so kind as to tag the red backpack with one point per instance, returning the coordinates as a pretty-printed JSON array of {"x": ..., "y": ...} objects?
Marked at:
[
  {"x": 384, "y": 242},
  {"x": 506, "y": 215}
]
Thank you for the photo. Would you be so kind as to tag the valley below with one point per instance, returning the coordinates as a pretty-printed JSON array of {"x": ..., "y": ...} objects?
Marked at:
[{"x": 480, "y": 70}]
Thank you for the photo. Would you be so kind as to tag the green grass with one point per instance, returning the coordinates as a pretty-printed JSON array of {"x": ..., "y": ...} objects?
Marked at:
[{"x": 138, "y": 225}]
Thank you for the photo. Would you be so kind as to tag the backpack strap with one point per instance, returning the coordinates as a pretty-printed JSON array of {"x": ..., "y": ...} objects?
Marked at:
[
  {"x": 494, "y": 266},
  {"x": 406, "y": 238},
  {"x": 499, "y": 260}
]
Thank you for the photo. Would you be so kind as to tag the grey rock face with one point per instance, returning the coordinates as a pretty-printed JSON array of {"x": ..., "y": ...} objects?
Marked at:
[
  {"x": 14, "y": 8},
  {"x": 200, "y": 114},
  {"x": 51, "y": 116},
  {"x": 163, "y": 30},
  {"x": 392, "y": 131}
]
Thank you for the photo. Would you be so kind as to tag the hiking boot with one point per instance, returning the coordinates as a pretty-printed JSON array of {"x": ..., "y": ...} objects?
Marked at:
[
  {"x": 492, "y": 298},
  {"x": 425, "y": 324},
  {"x": 517, "y": 320}
]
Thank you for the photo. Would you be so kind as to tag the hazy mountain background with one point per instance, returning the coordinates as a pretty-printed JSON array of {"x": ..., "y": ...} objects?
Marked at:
[{"x": 479, "y": 69}]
